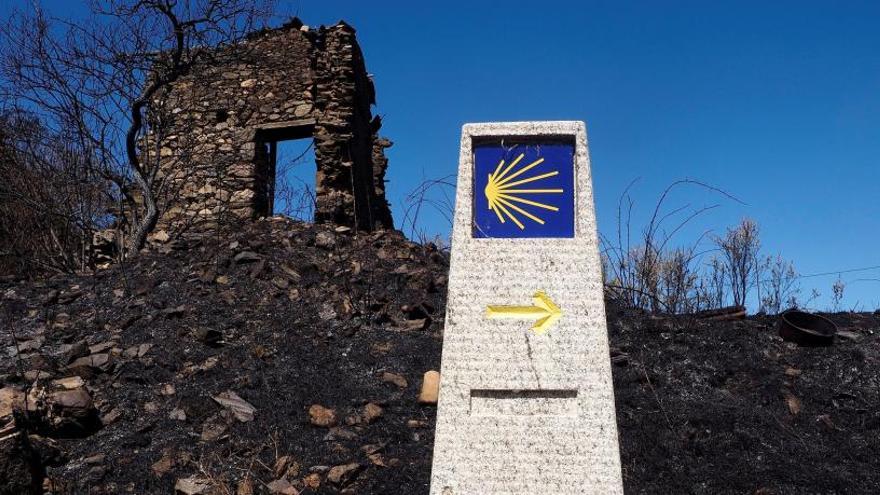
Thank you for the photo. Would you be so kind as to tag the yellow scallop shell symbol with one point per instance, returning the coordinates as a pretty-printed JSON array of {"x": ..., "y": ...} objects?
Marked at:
[{"x": 504, "y": 196}]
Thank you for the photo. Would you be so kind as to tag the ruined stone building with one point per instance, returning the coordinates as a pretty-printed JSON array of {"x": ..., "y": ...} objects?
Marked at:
[{"x": 220, "y": 126}]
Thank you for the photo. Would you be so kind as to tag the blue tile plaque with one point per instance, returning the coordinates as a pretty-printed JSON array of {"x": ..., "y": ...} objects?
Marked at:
[{"x": 523, "y": 190}]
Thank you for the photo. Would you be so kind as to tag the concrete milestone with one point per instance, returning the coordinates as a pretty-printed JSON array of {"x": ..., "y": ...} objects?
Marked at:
[{"x": 526, "y": 398}]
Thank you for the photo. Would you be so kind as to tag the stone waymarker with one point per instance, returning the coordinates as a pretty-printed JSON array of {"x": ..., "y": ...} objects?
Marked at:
[{"x": 526, "y": 398}]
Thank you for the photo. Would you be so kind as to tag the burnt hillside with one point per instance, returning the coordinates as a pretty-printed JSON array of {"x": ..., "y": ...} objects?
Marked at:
[{"x": 287, "y": 358}]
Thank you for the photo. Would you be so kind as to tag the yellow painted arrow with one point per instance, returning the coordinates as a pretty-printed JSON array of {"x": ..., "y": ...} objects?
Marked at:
[{"x": 543, "y": 311}]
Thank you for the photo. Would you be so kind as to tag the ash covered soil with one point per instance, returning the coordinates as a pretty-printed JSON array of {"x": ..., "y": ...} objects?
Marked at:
[{"x": 288, "y": 358}]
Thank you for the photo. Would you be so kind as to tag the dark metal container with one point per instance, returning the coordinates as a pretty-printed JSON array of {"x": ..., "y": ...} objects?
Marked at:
[{"x": 806, "y": 329}]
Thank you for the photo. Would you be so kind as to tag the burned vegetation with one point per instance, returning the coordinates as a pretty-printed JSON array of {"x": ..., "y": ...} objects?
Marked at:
[{"x": 293, "y": 353}]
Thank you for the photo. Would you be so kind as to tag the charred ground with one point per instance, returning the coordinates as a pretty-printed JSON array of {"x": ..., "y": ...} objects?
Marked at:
[{"x": 288, "y": 315}]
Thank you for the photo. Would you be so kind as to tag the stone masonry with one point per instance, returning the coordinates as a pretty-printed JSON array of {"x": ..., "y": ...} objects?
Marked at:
[{"x": 220, "y": 126}]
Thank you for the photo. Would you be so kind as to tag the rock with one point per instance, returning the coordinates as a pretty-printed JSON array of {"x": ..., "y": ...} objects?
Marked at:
[
  {"x": 327, "y": 312},
  {"x": 794, "y": 404},
  {"x": 240, "y": 408},
  {"x": 245, "y": 487},
  {"x": 193, "y": 486},
  {"x": 213, "y": 428},
  {"x": 69, "y": 297},
  {"x": 136, "y": 351},
  {"x": 325, "y": 240},
  {"x": 430, "y": 387},
  {"x": 177, "y": 414},
  {"x": 377, "y": 460},
  {"x": 846, "y": 334},
  {"x": 247, "y": 257},
  {"x": 61, "y": 321},
  {"x": 159, "y": 236},
  {"x": 69, "y": 383},
  {"x": 35, "y": 375},
  {"x": 286, "y": 466},
  {"x": 394, "y": 378},
  {"x": 291, "y": 273},
  {"x": 282, "y": 487},
  {"x": 322, "y": 416},
  {"x": 126, "y": 322},
  {"x": 372, "y": 412},
  {"x": 111, "y": 417},
  {"x": 382, "y": 348},
  {"x": 10, "y": 398},
  {"x": 312, "y": 481},
  {"x": 248, "y": 83},
  {"x": 64, "y": 413},
  {"x": 343, "y": 474},
  {"x": 75, "y": 351},
  {"x": 302, "y": 110},
  {"x": 72, "y": 399},
  {"x": 372, "y": 448},
  {"x": 163, "y": 465},
  {"x": 417, "y": 324},
  {"x": 27, "y": 346},
  {"x": 174, "y": 311},
  {"x": 339, "y": 433}
]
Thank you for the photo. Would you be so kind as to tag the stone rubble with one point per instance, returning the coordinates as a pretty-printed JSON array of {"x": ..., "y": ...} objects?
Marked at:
[
  {"x": 322, "y": 416},
  {"x": 127, "y": 364},
  {"x": 430, "y": 391}
]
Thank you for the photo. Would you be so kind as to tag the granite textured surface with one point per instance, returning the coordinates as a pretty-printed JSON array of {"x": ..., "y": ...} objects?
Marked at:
[{"x": 519, "y": 412}]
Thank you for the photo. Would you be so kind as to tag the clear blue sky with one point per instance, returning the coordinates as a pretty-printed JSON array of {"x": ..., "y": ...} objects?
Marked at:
[{"x": 776, "y": 102}]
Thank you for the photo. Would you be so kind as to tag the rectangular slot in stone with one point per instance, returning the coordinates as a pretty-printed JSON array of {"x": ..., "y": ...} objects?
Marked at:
[{"x": 524, "y": 403}]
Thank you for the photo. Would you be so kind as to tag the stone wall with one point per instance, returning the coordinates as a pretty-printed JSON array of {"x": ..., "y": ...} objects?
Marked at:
[{"x": 216, "y": 128}]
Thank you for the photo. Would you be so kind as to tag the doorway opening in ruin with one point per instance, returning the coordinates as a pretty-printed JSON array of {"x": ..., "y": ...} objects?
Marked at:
[
  {"x": 290, "y": 171},
  {"x": 294, "y": 191}
]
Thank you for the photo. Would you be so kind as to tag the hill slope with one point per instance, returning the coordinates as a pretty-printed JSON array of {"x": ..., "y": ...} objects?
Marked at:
[{"x": 207, "y": 363}]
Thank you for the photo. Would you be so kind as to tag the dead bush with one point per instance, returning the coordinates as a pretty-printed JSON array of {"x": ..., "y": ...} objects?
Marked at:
[
  {"x": 781, "y": 285},
  {"x": 712, "y": 285},
  {"x": 647, "y": 272},
  {"x": 51, "y": 201},
  {"x": 739, "y": 249}
]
